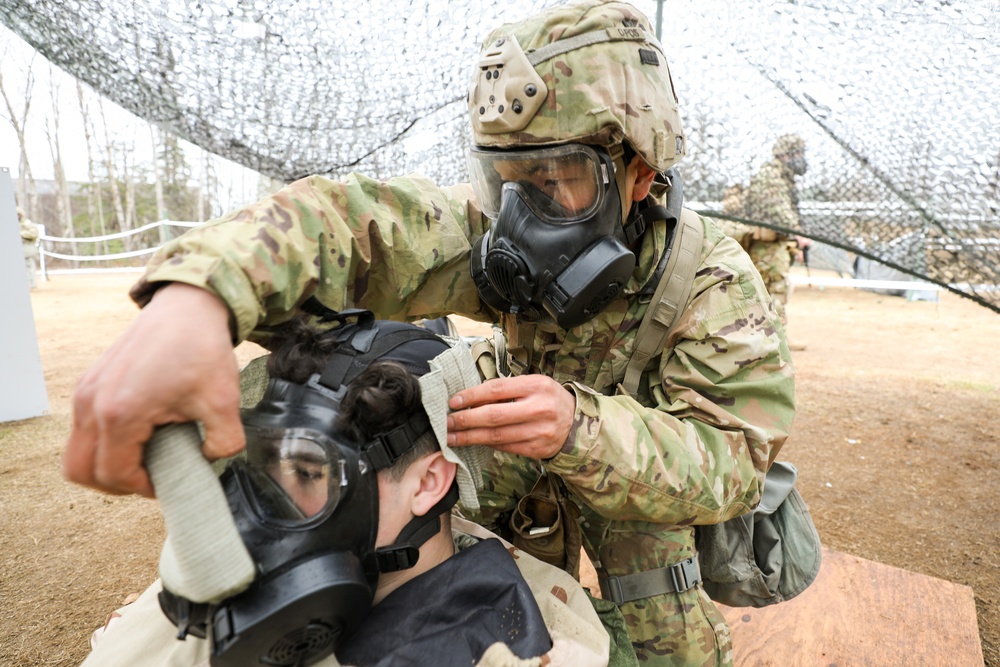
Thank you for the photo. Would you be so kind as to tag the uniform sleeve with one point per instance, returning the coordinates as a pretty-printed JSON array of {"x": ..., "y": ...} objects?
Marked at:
[
  {"x": 723, "y": 402},
  {"x": 399, "y": 248}
]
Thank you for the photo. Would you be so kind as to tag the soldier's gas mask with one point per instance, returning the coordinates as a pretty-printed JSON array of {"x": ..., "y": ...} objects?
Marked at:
[
  {"x": 556, "y": 247},
  {"x": 797, "y": 163},
  {"x": 305, "y": 502}
]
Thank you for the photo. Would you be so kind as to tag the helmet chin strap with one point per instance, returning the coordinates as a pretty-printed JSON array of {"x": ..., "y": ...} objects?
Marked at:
[
  {"x": 404, "y": 553},
  {"x": 617, "y": 153}
]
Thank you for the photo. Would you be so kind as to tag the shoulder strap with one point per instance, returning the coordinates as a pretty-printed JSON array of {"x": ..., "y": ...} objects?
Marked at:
[{"x": 669, "y": 299}]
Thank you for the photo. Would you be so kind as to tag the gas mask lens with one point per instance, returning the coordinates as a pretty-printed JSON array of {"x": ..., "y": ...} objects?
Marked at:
[
  {"x": 294, "y": 476},
  {"x": 563, "y": 184}
]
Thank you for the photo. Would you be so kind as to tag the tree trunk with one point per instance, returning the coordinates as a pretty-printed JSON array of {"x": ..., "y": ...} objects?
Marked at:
[
  {"x": 64, "y": 204},
  {"x": 109, "y": 165},
  {"x": 92, "y": 191},
  {"x": 27, "y": 194},
  {"x": 161, "y": 204}
]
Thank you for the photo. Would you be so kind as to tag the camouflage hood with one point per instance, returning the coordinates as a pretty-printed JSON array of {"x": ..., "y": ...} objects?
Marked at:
[{"x": 591, "y": 72}]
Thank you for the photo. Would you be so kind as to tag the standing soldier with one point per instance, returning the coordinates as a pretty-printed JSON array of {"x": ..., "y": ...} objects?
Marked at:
[
  {"x": 29, "y": 244},
  {"x": 773, "y": 198},
  {"x": 562, "y": 240}
]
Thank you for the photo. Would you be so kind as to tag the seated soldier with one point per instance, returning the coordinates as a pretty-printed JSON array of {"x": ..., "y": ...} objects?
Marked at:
[{"x": 441, "y": 591}]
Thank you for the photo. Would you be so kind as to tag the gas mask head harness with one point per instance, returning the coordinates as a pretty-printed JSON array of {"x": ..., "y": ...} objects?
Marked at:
[
  {"x": 305, "y": 503},
  {"x": 556, "y": 247}
]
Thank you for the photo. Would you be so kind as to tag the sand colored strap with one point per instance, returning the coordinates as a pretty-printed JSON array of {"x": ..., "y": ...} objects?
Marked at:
[
  {"x": 451, "y": 372},
  {"x": 669, "y": 299},
  {"x": 204, "y": 558}
]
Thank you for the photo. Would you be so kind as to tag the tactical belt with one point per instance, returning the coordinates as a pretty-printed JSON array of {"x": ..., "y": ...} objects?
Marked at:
[{"x": 675, "y": 578}]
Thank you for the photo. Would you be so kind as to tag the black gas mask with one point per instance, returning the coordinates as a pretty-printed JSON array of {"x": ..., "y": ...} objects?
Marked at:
[
  {"x": 797, "y": 163},
  {"x": 556, "y": 247},
  {"x": 305, "y": 502}
]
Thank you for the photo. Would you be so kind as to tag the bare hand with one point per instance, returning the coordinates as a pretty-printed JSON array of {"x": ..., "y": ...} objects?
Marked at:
[
  {"x": 529, "y": 415},
  {"x": 174, "y": 363}
]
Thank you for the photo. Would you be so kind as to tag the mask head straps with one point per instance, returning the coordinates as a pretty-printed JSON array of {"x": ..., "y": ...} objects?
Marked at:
[
  {"x": 405, "y": 552},
  {"x": 363, "y": 343}
]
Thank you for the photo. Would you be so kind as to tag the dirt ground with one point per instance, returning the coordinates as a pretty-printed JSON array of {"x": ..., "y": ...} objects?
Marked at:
[{"x": 895, "y": 440}]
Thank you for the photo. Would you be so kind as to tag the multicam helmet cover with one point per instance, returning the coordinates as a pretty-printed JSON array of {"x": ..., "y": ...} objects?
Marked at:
[
  {"x": 590, "y": 72},
  {"x": 788, "y": 144}
]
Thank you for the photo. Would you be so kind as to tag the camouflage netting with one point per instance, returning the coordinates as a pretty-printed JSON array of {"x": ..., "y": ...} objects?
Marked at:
[{"x": 897, "y": 101}]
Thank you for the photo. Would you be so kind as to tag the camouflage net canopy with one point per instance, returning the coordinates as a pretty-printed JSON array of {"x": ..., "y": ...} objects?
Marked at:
[{"x": 897, "y": 101}]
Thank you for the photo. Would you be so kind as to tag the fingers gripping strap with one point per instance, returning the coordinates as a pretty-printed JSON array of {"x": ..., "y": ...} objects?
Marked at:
[
  {"x": 451, "y": 372},
  {"x": 669, "y": 299},
  {"x": 203, "y": 559}
]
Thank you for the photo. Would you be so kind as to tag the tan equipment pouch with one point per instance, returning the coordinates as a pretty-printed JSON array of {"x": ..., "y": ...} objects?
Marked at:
[{"x": 546, "y": 525}]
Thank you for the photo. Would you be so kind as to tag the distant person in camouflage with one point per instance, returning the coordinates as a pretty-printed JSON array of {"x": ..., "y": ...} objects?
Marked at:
[
  {"x": 559, "y": 239},
  {"x": 773, "y": 197},
  {"x": 29, "y": 244}
]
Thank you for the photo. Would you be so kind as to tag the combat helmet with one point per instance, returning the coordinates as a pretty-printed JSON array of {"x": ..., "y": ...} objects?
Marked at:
[
  {"x": 591, "y": 72},
  {"x": 788, "y": 144}
]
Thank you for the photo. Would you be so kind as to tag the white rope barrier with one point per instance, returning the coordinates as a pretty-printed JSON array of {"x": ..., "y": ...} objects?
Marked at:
[
  {"x": 100, "y": 258},
  {"x": 45, "y": 253},
  {"x": 117, "y": 235}
]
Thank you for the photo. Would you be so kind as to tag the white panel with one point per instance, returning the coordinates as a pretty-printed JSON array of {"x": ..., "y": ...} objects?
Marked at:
[{"x": 22, "y": 382}]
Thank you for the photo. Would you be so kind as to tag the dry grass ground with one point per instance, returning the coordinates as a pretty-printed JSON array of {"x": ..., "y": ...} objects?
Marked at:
[{"x": 895, "y": 440}]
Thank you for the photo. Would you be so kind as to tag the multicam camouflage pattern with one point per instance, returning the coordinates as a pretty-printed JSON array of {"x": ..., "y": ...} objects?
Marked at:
[
  {"x": 772, "y": 197},
  {"x": 773, "y": 260},
  {"x": 29, "y": 246},
  {"x": 596, "y": 94},
  {"x": 691, "y": 447}
]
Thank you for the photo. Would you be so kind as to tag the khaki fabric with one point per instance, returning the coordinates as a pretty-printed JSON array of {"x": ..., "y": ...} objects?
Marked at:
[
  {"x": 578, "y": 637},
  {"x": 139, "y": 633}
]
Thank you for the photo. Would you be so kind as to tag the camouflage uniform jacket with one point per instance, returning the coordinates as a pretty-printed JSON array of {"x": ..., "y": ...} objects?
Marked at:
[
  {"x": 690, "y": 448},
  {"x": 772, "y": 197}
]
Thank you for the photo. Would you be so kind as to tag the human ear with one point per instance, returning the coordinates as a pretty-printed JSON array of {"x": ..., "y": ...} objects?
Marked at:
[
  {"x": 644, "y": 176},
  {"x": 436, "y": 475}
]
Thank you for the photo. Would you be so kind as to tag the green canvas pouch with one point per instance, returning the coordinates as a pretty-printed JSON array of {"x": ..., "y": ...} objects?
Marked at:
[{"x": 766, "y": 556}]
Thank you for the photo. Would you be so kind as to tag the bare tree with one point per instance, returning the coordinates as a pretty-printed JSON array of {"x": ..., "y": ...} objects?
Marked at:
[
  {"x": 109, "y": 165},
  {"x": 27, "y": 194},
  {"x": 95, "y": 205},
  {"x": 130, "y": 209},
  {"x": 64, "y": 210}
]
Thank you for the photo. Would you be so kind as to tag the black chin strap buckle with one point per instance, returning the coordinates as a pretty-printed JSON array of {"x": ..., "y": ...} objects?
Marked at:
[
  {"x": 395, "y": 558},
  {"x": 406, "y": 551},
  {"x": 191, "y": 618}
]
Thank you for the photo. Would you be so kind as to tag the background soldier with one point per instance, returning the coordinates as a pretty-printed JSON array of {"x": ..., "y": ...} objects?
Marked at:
[
  {"x": 29, "y": 244},
  {"x": 560, "y": 241},
  {"x": 772, "y": 197}
]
